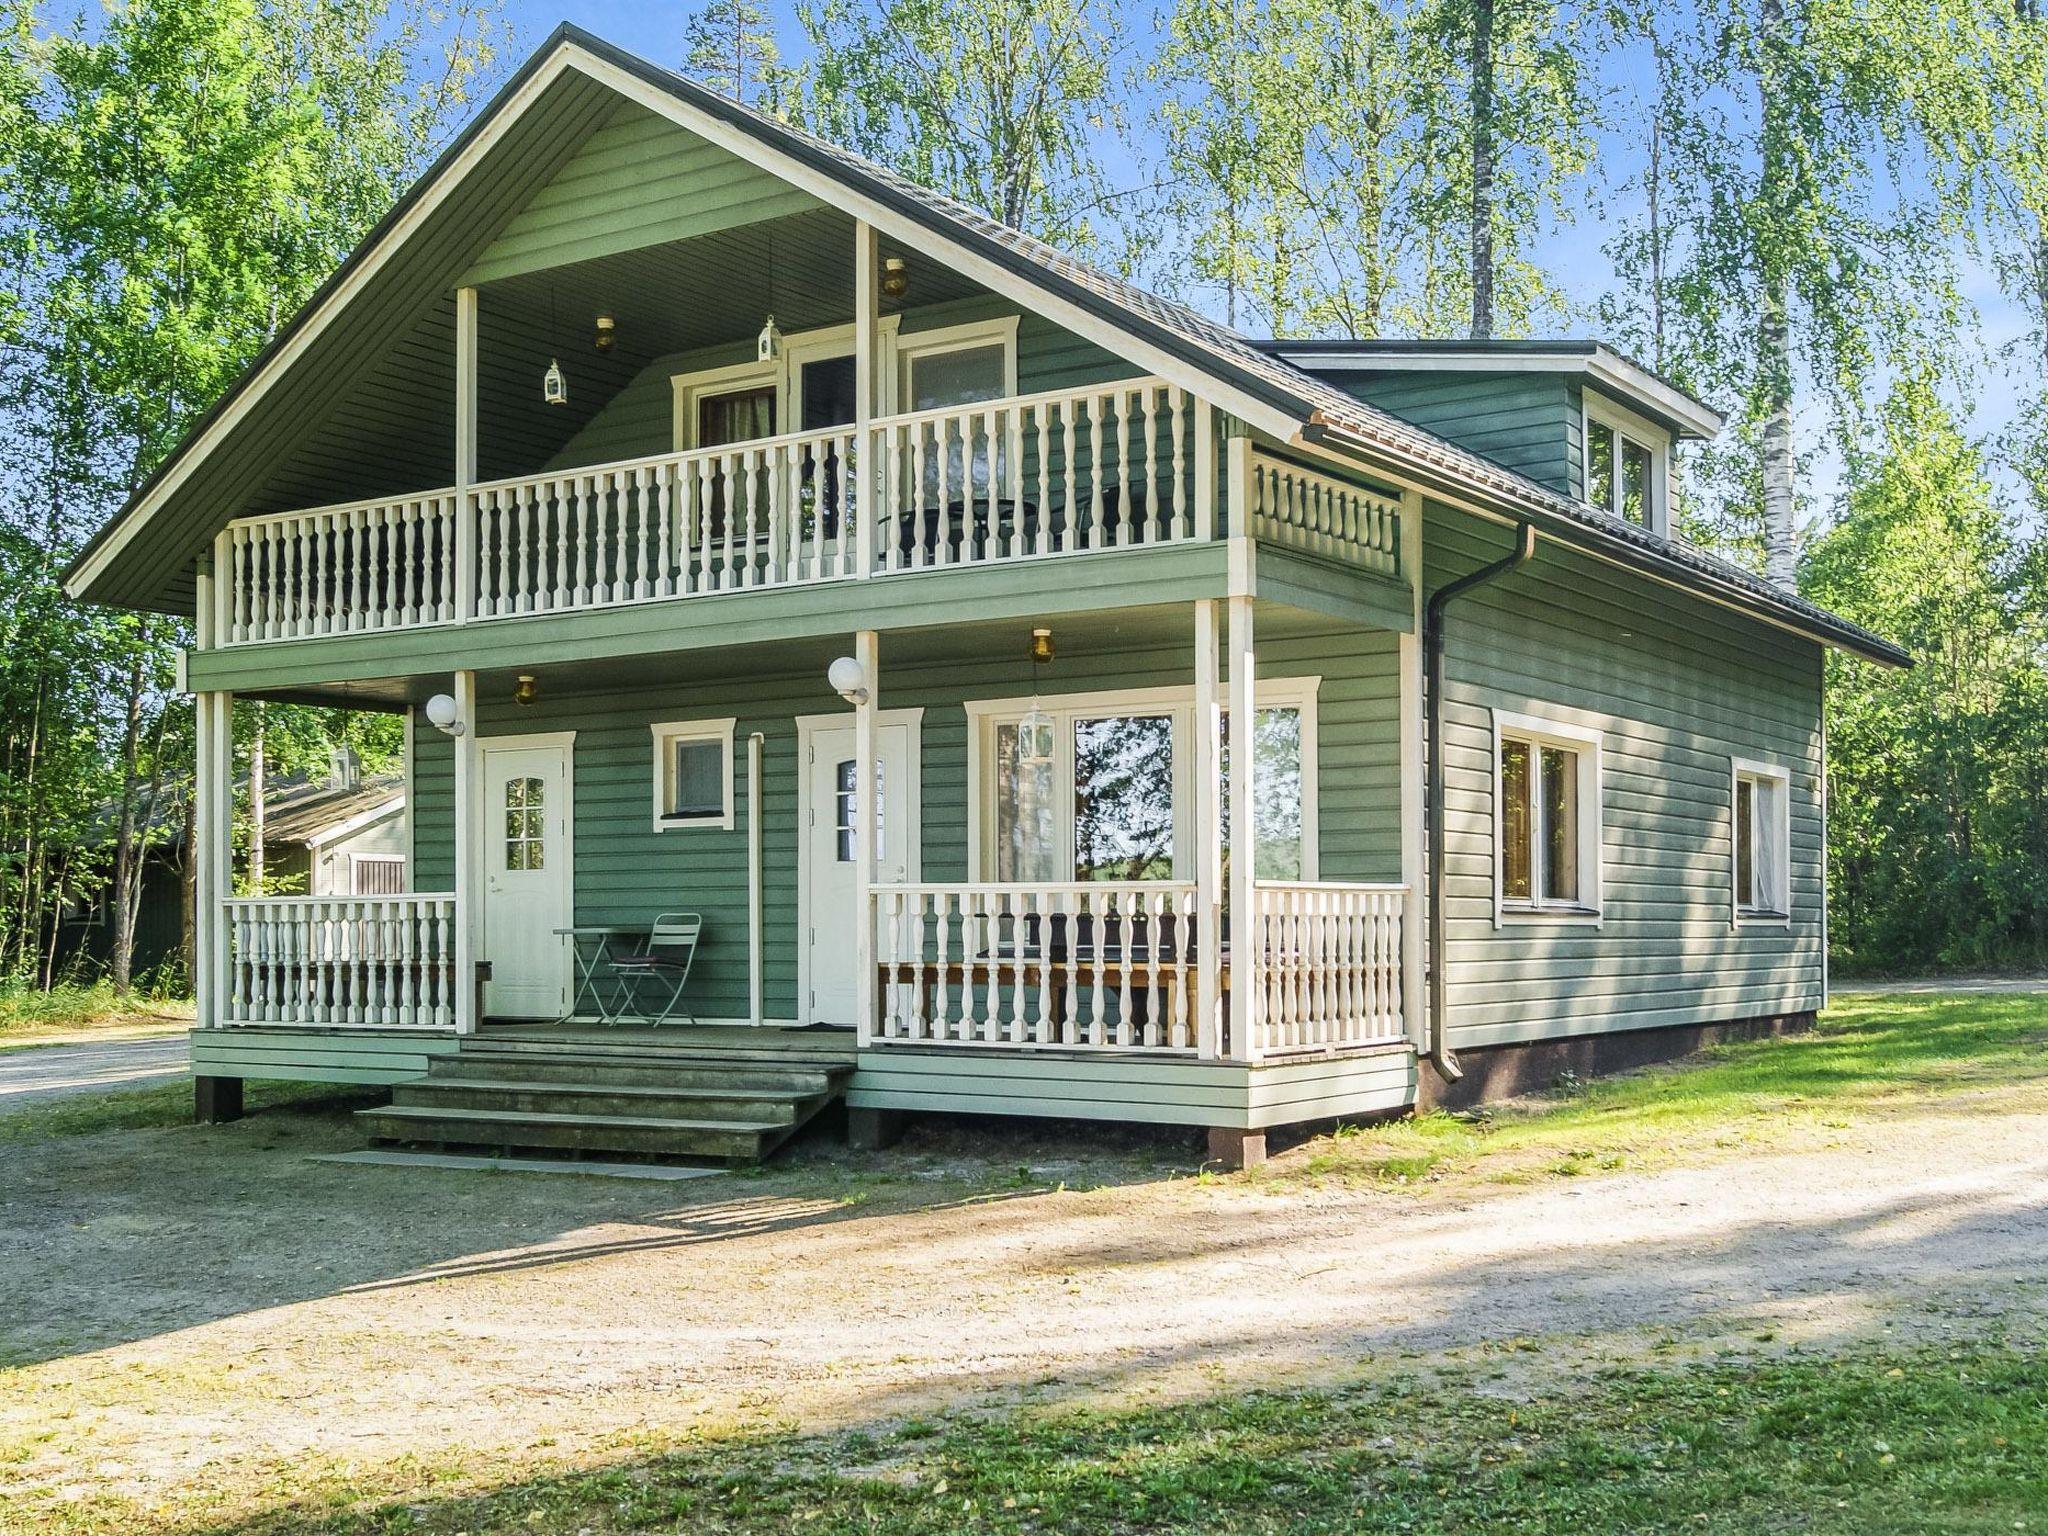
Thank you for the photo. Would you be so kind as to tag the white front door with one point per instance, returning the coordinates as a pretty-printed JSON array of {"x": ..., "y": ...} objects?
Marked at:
[
  {"x": 831, "y": 915},
  {"x": 526, "y": 810}
]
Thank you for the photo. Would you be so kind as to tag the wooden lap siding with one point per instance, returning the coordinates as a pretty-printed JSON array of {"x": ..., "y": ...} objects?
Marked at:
[
  {"x": 1527, "y": 421},
  {"x": 627, "y": 872},
  {"x": 1676, "y": 687}
]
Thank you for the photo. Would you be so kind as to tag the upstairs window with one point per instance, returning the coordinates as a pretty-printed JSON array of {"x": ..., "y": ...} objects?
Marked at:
[
  {"x": 1546, "y": 819},
  {"x": 1627, "y": 466},
  {"x": 1762, "y": 853}
]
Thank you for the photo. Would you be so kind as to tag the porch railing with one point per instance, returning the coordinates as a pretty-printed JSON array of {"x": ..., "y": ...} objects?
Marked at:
[
  {"x": 1329, "y": 965},
  {"x": 1078, "y": 966},
  {"x": 1113, "y": 966},
  {"x": 367, "y": 961},
  {"x": 1322, "y": 515},
  {"x": 1026, "y": 477}
]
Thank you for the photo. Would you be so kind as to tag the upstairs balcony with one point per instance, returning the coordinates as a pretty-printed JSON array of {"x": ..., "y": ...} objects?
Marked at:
[{"x": 1134, "y": 463}]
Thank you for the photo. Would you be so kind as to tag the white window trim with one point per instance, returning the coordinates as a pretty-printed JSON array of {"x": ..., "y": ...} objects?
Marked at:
[
  {"x": 1001, "y": 331},
  {"x": 984, "y": 715},
  {"x": 784, "y": 374},
  {"x": 666, "y": 734},
  {"x": 1645, "y": 434},
  {"x": 1546, "y": 730},
  {"x": 1740, "y": 916}
]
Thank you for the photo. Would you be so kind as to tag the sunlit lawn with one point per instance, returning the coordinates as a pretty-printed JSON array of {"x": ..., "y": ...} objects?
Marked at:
[
  {"x": 33, "y": 1016},
  {"x": 1867, "y": 1055}
]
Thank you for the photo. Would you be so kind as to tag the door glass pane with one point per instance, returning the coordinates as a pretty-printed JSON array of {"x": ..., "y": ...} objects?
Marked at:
[
  {"x": 827, "y": 388},
  {"x": 1635, "y": 482},
  {"x": 1276, "y": 799},
  {"x": 843, "y": 802},
  {"x": 1600, "y": 465},
  {"x": 958, "y": 452},
  {"x": 1560, "y": 824},
  {"x": 1516, "y": 844},
  {"x": 1027, "y": 837},
  {"x": 1123, "y": 798},
  {"x": 525, "y": 823}
]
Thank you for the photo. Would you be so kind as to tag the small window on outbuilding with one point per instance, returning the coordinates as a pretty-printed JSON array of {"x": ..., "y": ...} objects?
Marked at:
[
  {"x": 1762, "y": 841},
  {"x": 693, "y": 774}
]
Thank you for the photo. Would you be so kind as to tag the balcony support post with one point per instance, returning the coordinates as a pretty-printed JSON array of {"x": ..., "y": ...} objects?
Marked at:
[
  {"x": 468, "y": 863},
  {"x": 1414, "y": 785},
  {"x": 1208, "y": 837},
  {"x": 867, "y": 314},
  {"x": 1246, "y": 935},
  {"x": 866, "y": 650},
  {"x": 212, "y": 836},
  {"x": 465, "y": 453}
]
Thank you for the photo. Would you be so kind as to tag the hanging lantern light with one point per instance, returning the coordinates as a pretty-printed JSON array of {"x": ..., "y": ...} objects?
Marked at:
[
  {"x": 768, "y": 346},
  {"x": 1035, "y": 730},
  {"x": 554, "y": 389}
]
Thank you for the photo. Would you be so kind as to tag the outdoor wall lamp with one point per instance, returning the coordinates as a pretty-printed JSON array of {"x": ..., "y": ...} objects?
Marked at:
[
  {"x": 441, "y": 715},
  {"x": 849, "y": 679}
]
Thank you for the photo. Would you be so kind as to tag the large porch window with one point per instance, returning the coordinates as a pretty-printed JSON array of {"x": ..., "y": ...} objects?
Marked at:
[{"x": 1116, "y": 800}]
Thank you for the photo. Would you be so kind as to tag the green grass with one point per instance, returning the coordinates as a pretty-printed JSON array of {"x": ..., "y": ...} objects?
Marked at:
[
  {"x": 1950, "y": 1442},
  {"x": 1866, "y": 1056},
  {"x": 34, "y": 1016},
  {"x": 139, "y": 1109}
]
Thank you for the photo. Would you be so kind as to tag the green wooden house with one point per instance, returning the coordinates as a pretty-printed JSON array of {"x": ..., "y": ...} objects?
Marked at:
[{"x": 1051, "y": 702}]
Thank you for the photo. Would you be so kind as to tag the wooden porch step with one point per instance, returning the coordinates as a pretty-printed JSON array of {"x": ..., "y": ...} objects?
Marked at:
[
  {"x": 703, "y": 1102},
  {"x": 734, "y": 1140},
  {"x": 607, "y": 1096}
]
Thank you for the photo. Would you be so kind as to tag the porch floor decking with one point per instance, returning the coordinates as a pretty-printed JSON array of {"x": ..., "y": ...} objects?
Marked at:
[{"x": 734, "y": 1042}]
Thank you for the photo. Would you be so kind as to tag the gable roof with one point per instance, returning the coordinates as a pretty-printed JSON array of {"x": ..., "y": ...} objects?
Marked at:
[{"x": 1236, "y": 373}]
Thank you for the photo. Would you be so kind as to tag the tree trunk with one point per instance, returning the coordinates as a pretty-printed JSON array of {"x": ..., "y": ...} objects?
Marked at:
[
  {"x": 1482, "y": 169},
  {"x": 127, "y": 836},
  {"x": 1777, "y": 192}
]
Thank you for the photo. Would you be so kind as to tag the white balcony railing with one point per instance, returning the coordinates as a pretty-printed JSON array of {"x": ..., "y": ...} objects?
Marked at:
[
  {"x": 364, "y": 961},
  {"x": 1322, "y": 515},
  {"x": 1329, "y": 965},
  {"x": 1028, "y": 477}
]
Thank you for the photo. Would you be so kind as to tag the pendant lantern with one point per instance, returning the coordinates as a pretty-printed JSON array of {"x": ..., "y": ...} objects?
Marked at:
[{"x": 1035, "y": 742}]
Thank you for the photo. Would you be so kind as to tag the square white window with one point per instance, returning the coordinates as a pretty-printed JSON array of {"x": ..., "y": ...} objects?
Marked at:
[
  {"x": 693, "y": 774},
  {"x": 1627, "y": 465},
  {"x": 1546, "y": 820},
  {"x": 1762, "y": 845}
]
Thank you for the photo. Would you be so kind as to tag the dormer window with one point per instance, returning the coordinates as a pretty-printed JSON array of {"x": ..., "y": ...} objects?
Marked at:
[{"x": 1627, "y": 466}]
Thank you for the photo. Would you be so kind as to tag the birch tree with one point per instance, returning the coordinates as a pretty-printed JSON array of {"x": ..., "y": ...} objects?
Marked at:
[{"x": 730, "y": 46}]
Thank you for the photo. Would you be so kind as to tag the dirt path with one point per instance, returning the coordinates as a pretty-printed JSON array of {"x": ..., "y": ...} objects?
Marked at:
[
  {"x": 35, "y": 1073},
  {"x": 247, "y": 1309}
]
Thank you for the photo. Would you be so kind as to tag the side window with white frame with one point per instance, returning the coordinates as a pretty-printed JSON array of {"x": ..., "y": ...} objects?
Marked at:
[
  {"x": 1763, "y": 840},
  {"x": 1627, "y": 465},
  {"x": 693, "y": 774},
  {"x": 1546, "y": 832}
]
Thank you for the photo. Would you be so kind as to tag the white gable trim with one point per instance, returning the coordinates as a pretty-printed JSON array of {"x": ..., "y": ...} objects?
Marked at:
[
  {"x": 357, "y": 822},
  {"x": 569, "y": 55}
]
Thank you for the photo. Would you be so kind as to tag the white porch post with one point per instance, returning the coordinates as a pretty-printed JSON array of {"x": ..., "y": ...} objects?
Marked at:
[
  {"x": 866, "y": 651},
  {"x": 212, "y": 837},
  {"x": 1246, "y": 940},
  {"x": 867, "y": 307},
  {"x": 465, "y": 454},
  {"x": 468, "y": 887},
  {"x": 1414, "y": 783},
  {"x": 1208, "y": 838}
]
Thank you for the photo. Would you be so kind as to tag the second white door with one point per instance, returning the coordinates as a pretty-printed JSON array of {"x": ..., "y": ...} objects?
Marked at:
[{"x": 831, "y": 913}]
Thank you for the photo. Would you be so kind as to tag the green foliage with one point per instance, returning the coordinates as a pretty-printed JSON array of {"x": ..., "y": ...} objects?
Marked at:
[
  {"x": 1939, "y": 812},
  {"x": 1319, "y": 158},
  {"x": 730, "y": 46},
  {"x": 994, "y": 102}
]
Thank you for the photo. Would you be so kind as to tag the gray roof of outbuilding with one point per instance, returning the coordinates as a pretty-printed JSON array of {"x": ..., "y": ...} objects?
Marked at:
[{"x": 1321, "y": 407}]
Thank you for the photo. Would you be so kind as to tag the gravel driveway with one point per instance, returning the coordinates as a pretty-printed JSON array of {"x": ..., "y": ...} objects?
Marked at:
[{"x": 40, "y": 1072}]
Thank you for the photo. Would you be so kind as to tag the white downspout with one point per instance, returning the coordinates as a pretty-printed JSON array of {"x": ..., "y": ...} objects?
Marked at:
[{"x": 754, "y": 945}]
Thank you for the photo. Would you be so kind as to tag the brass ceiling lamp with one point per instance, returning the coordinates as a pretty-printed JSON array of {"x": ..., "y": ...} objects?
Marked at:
[
  {"x": 607, "y": 333},
  {"x": 526, "y": 691},
  {"x": 895, "y": 277}
]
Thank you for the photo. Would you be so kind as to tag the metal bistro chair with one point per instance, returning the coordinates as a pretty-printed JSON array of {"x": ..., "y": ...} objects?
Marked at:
[{"x": 663, "y": 961}]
